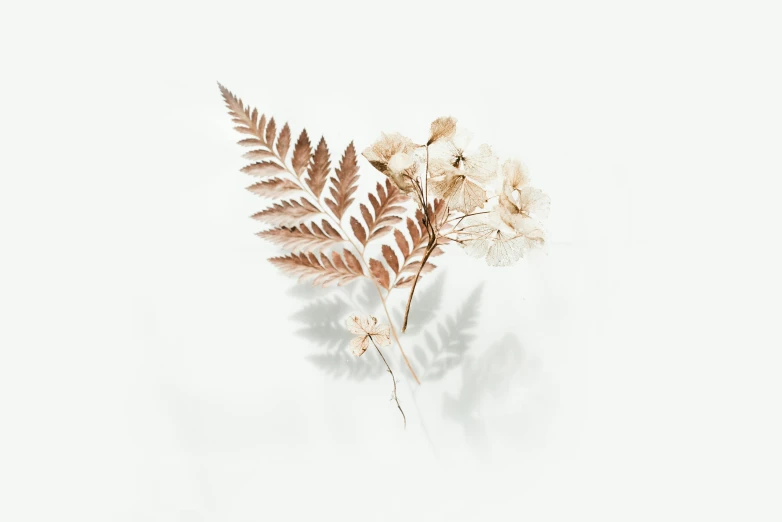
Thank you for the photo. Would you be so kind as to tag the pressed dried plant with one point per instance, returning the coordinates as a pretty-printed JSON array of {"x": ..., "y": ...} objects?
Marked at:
[{"x": 430, "y": 194}]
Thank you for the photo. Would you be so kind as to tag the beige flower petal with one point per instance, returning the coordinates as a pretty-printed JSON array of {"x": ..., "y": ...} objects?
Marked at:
[
  {"x": 490, "y": 236},
  {"x": 444, "y": 127},
  {"x": 515, "y": 176},
  {"x": 534, "y": 202},
  {"x": 467, "y": 197},
  {"x": 359, "y": 345},
  {"x": 382, "y": 335},
  {"x": 506, "y": 250},
  {"x": 401, "y": 161},
  {"x": 354, "y": 325},
  {"x": 481, "y": 164}
]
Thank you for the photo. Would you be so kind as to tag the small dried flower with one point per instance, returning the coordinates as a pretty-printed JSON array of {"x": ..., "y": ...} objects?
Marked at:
[
  {"x": 366, "y": 328},
  {"x": 393, "y": 155},
  {"x": 380, "y": 153},
  {"x": 444, "y": 127}
]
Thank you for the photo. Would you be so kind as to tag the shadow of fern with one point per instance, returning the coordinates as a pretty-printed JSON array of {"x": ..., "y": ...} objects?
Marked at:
[
  {"x": 323, "y": 324},
  {"x": 446, "y": 341},
  {"x": 438, "y": 341}
]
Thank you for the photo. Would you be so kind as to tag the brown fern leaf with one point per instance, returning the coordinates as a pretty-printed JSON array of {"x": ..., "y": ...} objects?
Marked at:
[
  {"x": 271, "y": 133},
  {"x": 387, "y": 205},
  {"x": 358, "y": 231},
  {"x": 274, "y": 188},
  {"x": 246, "y": 120},
  {"x": 284, "y": 141},
  {"x": 264, "y": 169},
  {"x": 351, "y": 262},
  {"x": 380, "y": 273},
  {"x": 303, "y": 236},
  {"x": 287, "y": 213},
  {"x": 401, "y": 242},
  {"x": 390, "y": 256},
  {"x": 322, "y": 269},
  {"x": 259, "y": 154},
  {"x": 319, "y": 168},
  {"x": 344, "y": 184},
  {"x": 301, "y": 153},
  {"x": 412, "y": 267}
]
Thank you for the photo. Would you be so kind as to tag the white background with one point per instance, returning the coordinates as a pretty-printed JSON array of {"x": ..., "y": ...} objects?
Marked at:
[{"x": 155, "y": 367}]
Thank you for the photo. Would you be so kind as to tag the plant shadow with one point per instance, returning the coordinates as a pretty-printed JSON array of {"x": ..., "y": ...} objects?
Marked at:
[
  {"x": 441, "y": 337},
  {"x": 435, "y": 341},
  {"x": 489, "y": 376}
]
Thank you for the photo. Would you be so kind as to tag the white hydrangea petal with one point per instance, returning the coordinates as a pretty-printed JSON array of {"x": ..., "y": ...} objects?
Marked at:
[
  {"x": 481, "y": 164},
  {"x": 505, "y": 250},
  {"x": 401, "y": 161},
  {"x": 515, "y": 176},
  {"x": 354, "y": 325},
  {"x": 467, "y": 197},
  {"x": 535, "y": 202}
]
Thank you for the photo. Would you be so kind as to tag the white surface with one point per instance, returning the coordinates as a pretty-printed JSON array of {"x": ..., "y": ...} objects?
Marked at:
[{"x": 147, "y": 374}]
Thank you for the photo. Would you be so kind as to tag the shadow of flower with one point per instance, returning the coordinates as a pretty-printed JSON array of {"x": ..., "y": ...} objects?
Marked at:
[{"x": 488, "y": 374}]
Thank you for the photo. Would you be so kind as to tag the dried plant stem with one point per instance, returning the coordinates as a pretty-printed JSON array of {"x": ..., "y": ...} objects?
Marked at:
[
  {"x": 361, "y": 258},
  {"x": 393, "y": 379},
  {"x": 429, "y": 249},
  {"x": 396, "y": 337},
  {"x": 432, "y": 240}
]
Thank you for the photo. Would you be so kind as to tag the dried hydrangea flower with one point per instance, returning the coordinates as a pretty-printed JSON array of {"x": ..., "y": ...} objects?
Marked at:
[
  {"x": 444, "y": 127},
  {"x": 394, "y": 155},
  {"x": 489, "y": 235},
  {"x": 366, "y": 328},
  {"x": 479, "y": 163}
]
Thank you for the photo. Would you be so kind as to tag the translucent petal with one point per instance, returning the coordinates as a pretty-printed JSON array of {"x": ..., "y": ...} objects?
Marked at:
[
  {"x": 444, "y": 127},
  {"x": 359, "y": 345},
  {"x": 481, "y": 164},
  {"x": 401, "y": 161},
  {"x": 515, "y": 176},
  {"x": 354, "y": 325},
  {"x": 505, "y": 250},
  {"x": 467, "y": 197},
  {"x": 534, "y": 202}
]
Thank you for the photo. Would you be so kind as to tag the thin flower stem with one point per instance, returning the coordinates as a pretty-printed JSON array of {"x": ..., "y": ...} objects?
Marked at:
[
  {"x": 466, "y": 215},
  {"x": 429, "y": 249},
  {"x": 360, "y": 251},
  {"x": 426, "y": 178},
  {"x": 393, "y": 379}
]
